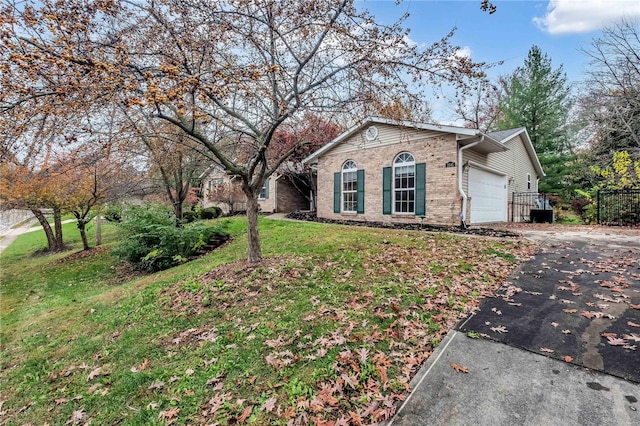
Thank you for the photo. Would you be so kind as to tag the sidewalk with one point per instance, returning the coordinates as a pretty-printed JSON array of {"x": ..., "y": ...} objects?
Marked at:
[
  {"x": 510, "y": 386},
  {"x": 8, "y": 236}
]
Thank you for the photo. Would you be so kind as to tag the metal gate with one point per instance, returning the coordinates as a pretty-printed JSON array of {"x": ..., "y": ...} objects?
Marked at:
[
  {"x": 619, "y": 207},
  {"x": 530, "y": 207}
]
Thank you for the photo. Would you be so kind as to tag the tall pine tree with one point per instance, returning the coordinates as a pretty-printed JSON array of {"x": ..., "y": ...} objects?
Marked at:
[{"x": 537, "y": 96}]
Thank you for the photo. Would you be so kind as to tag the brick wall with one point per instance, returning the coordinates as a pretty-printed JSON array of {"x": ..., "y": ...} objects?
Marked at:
[
  {"x": 289, "y": 198},
  {"x": 442, "y": 199}
]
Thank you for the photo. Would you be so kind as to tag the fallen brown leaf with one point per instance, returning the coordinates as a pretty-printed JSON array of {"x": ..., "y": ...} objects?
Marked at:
[
  {"x": 170, "y": 414},
  {"x": 567, "y": 358},
  {"x": 76, "y": 417},
  {"x": 500, "y": 329},
  {"x": 616, "y": 341},
  {"x": 570, "y": 311},
  {"x": 269, "y": 404},
  {"x": 140, "y": 367},
  {"x": 158, "y": 384},
  {"x": 94, "y": 373},
  {"x": 245, "y": 414},
  {"x": 633, "y": 324},
  {"x": 459, "y": 368}
]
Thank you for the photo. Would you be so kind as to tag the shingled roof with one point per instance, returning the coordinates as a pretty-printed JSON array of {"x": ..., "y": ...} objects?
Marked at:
[{"x": 505, "y": 135}]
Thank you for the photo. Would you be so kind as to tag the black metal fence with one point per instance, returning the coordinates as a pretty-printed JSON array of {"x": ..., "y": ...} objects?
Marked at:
[
  {"x": 530, "y": 207},
  {"x": 619, "y": 207}
]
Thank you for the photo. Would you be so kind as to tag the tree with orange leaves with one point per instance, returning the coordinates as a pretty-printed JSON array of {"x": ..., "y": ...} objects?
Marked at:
[
  {"x": 223, "y": 73},
  {"x": 88, "y": 180}
]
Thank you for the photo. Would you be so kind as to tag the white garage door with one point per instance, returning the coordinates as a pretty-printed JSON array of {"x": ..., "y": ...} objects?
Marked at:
[{"x": 488, "y": 192}]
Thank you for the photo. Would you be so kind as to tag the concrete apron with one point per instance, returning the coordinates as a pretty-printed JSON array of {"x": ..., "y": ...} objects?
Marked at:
[{"x": 507, "y": 386}]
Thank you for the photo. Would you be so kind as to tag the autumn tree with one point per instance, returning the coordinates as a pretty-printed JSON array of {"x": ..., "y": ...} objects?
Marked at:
[
  {"x": 221, "y": 72},
  {"x": 34, "y": 190},
  {"x": 611, "y": 102},
  {"x": 26, "y": 181},
  {"x": 311, "y": 133},
  {"x": 88, "y": 180}
]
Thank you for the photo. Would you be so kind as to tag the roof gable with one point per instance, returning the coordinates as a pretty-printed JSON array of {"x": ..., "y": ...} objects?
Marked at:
[
  {"x": 505, "y": 136},
  {"x": 472, "y": 135}
]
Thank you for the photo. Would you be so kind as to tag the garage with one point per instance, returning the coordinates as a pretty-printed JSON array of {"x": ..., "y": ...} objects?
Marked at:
[{"x": 488, "y": 194}]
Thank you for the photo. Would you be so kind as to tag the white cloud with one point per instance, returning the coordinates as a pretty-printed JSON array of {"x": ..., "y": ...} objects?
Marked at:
[
  {"x": 464, "y": 52},
  {"x": 581, "y": 16}
]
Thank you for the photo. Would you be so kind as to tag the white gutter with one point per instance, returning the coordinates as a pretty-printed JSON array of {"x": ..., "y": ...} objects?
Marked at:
[
  {"x": 275, "y": 195},
  {"x": 463, "y": 212}
]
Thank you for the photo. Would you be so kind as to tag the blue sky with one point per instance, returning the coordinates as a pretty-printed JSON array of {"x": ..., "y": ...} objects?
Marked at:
[{"x": 559, "y": 27}]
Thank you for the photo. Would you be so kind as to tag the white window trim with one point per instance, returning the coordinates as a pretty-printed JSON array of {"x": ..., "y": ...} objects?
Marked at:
[
  {"x": 352, "y": 169},
  {"x": 262, "y": 190},
  {"x": 393, "y": 183}
]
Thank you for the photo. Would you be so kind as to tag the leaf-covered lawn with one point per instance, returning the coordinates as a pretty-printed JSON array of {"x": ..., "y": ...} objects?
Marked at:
[{"x": 329, "y": 329}]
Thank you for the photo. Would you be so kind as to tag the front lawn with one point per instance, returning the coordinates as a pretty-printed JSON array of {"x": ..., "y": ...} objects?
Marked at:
[{"x": 330, "y": 327}]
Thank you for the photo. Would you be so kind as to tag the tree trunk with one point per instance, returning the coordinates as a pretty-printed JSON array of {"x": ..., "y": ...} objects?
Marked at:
[
  {"x": 82, "y": 226},
  {"x": 254, "y": 254},
  {"x": 51, "y": 239},
  {"x": 98, "y": 230},
  {"x": 57, "y": 223},
  {"x": 177, "y": 211}
]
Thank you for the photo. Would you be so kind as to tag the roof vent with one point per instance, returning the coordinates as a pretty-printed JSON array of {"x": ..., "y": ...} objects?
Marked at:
[{"x": 371, "y": 133}]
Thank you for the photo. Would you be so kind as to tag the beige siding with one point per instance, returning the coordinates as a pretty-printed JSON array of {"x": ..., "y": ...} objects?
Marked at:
[
  {"x": 516, "y": 163},
  {"x": 387, "y": 135},
  {"x": 433, "y": 148},
  {"x": 476, "y": 157}
]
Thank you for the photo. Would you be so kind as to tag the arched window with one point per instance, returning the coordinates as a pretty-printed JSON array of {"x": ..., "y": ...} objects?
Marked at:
[
  {"x": 349, "y": 186},
  {"x": 404, "y": 188}
]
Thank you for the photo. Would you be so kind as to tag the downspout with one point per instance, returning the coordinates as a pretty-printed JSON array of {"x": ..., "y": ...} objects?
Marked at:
[
  {"x": 275, "y": 193},
  {"x": 463, "y": 213}
]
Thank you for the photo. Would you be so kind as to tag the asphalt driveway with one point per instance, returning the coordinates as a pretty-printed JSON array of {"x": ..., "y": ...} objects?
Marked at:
[
  {"x": 577, "y": 300},
  {"x": 560, "y": 344}
]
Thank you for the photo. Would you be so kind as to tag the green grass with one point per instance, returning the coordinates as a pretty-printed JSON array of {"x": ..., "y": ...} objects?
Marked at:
[
  {"x": 567, "y": 217},
  {"x": 333, "y": 319}
]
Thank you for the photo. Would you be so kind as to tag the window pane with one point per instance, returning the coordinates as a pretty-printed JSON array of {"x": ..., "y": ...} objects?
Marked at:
[{"x": 404, "y": 183}]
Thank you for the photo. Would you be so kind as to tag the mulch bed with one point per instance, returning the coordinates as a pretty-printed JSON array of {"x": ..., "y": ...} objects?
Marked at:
[{"x": 474, "y": 230}]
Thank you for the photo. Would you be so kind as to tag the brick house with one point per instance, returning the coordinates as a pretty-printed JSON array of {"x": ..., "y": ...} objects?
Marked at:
[
  {"x": 278, "y": 194},
  {"x": 390, "y": 171}
]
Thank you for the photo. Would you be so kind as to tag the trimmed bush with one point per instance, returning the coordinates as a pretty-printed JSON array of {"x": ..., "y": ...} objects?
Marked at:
[
  {"x": 211, "y": 213},
  {"x": 151, "y": 241},
  {"x": 190, "y": 216}
]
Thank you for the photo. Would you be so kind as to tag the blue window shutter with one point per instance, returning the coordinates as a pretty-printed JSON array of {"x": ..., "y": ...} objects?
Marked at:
[
  {"x": 336, "y": 192},
  {"x": 386, "y": 190},
  {"x": 421, "y": 179},
  {"x": 360, "y": 188}
]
